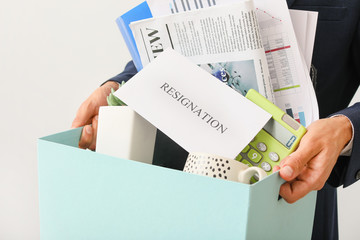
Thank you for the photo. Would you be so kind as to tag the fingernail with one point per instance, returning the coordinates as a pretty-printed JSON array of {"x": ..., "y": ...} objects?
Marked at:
[
  {"x": 287, "y": 171},
  {"x": 96, "y": 117},
  {"x": 88, "y": 130}
]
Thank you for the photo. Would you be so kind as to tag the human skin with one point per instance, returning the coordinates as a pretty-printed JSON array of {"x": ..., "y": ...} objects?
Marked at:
[
  {"x": 308, "y": 168},
  {"x": 87, "y": 114},
  {"x": 305, "y": 170}
]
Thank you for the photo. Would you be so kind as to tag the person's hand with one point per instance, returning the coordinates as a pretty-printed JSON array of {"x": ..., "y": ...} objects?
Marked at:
[
  {"x": 87, "y": 114},
  {"x": 308, "y": 168}
]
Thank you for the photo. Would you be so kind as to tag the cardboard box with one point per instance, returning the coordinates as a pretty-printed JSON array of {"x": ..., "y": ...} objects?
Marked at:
[{"x": 87, "y": 195}]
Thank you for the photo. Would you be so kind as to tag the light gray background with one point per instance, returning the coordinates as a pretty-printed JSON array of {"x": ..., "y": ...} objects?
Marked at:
[{"x": 53, "y": 54}]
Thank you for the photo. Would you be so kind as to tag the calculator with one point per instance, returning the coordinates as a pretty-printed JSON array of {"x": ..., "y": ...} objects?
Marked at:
[{"x": 277, "y": 139}]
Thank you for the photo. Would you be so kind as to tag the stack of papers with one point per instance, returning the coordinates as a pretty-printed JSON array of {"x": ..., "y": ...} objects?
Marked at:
[
  {"x": 215, "y": 35},
  {"x": 193, "y": 108}
]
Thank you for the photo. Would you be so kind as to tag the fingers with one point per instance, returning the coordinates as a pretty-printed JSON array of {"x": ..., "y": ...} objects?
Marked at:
[
  {"x": 298, "y": 171},
  {"x": 309, "y": 167},
  {"x": 276, "y": 168},
  {"x": 88, "y": 135},
  {"x": 295, "y": 163},
  {"x": 310, "y": 179},
  {"x": 84, "y": 115},
  {"x": 87, "y": 114},
  {"x": 94, "y": 130},
  {"x": 90, "y": 107},
  {"x": 293, "y": 191}
]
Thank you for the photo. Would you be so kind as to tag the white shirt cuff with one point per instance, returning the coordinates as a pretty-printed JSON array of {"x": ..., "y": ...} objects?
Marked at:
[{"x": 347, "y": 149}]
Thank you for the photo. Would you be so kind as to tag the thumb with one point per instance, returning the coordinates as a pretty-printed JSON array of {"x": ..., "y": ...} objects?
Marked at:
[
  {"x": 90, "y": 108},
  {"x": 294, "y": 164},
  {"x": 83, "y": 116}
]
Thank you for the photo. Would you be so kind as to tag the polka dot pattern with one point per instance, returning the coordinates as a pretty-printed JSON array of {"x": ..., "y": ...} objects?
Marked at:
[{"x": 216, "y": 167}]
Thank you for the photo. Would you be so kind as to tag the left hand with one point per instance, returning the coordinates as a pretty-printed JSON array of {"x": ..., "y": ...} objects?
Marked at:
[
  {"x": 308, "y": 168},
  {"x": 87, "y": 114}
]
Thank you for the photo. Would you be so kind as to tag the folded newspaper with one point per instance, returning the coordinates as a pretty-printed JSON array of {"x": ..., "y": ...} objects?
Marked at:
[
  {"x": 224, "y": 40},
  {"x": 214, "y": 40}
]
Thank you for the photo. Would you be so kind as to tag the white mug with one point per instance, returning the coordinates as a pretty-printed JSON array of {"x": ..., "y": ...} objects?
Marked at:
[{"x": 220, "y": 167}]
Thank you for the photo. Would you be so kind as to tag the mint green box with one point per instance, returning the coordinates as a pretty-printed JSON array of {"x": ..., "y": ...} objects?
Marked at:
[{"x": 87, "y": 195}]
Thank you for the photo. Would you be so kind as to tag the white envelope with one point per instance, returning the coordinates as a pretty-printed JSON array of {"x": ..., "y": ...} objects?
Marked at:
[{"x": 192, "y": 107}]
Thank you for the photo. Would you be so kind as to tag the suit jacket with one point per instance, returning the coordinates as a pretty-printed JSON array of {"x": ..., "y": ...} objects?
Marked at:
[{"x": 336, "y": 63}]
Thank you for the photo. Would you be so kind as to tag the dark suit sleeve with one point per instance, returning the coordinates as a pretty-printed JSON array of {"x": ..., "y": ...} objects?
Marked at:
[
  {"x": 128, "y": 73},
  {"x": 347, "y": 169}
]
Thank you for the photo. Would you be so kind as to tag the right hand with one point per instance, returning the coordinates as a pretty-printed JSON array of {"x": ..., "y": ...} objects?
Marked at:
[
  {"x": 87, "y": 114},
  {"x": 310, "y": 165}
]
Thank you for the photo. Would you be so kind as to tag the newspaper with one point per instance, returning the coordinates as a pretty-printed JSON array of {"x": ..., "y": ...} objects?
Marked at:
[
  {"x": 293, "y": 87},
  {"x": 224, "y": 40}
]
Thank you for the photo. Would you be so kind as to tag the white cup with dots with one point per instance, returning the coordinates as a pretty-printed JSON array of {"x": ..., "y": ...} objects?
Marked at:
[{"x": 221, "y": 167}]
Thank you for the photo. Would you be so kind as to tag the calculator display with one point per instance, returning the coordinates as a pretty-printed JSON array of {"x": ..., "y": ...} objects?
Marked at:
[
  {"x": 275, "y": 141},
  {"x": 280, "y": 133}
]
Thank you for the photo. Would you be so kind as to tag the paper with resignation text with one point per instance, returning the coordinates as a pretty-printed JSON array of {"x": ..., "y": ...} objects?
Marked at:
[
  {"x": 290, "y": 80},
  {"x": 192, "y": 107}
]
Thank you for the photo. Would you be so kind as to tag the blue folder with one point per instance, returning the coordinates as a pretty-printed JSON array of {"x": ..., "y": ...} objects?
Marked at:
[{"x": 140, "y": 12}]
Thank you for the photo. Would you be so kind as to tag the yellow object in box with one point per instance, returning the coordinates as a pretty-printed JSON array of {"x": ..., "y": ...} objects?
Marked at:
[{"x": 278, "y": 138}]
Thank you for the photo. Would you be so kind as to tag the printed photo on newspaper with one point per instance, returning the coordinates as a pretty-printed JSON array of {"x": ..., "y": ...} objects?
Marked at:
[
  {"x": 293, "y": 90},
  {"x": 224, "y": 40}
]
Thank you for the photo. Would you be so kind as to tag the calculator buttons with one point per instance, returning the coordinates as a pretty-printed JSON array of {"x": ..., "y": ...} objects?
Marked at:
[
  {"x": 274, "y": 157},
  {"x": 261, "y": 146},
  {"x": 266, "y": 166},
  {"x": 254, "y": 155},
  {"x": 246, "y": 149},
  {"x": 246, "y": 162}
]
